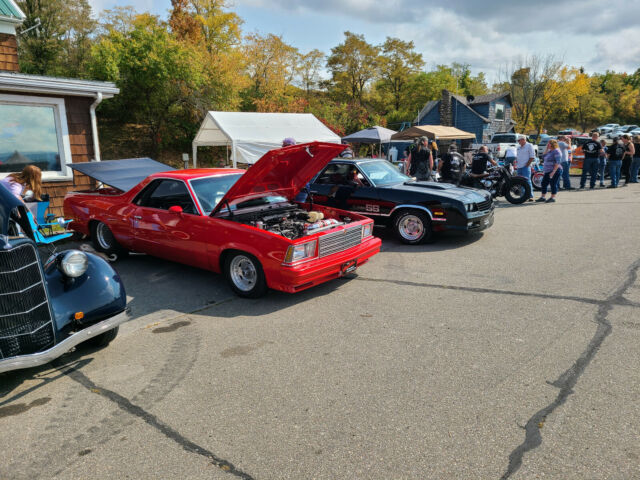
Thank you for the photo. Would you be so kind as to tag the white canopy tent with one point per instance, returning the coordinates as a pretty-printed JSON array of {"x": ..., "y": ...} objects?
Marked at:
[{"x": 250, "y": 135}]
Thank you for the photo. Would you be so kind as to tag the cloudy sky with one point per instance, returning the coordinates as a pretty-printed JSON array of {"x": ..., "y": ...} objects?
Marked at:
[{"x": 486, "y": 34}]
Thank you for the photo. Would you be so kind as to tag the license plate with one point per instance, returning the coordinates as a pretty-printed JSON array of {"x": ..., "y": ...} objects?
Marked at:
[{"x": 348, "y": 267}]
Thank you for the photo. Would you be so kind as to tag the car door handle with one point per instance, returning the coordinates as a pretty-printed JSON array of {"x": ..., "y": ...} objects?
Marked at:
[{"x": 137, "y": 217}]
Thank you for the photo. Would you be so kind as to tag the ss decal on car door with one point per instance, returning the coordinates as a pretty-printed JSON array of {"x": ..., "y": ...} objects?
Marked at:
[{"x": 372, "y": 208}]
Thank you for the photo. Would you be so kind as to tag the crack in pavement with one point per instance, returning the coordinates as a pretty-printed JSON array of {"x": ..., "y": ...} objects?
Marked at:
[
  {"x": 569, "y": 378},
  {"x": 125, "y": 404},
  {"x": 591, "y": 301}
]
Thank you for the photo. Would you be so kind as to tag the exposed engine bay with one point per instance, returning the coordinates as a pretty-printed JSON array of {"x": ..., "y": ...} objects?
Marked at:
[{"x": 290, "y": 221}]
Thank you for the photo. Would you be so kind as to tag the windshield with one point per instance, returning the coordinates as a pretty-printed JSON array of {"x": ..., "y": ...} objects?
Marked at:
[
  {"x": 210, "y": 190},
  {"x": 503, "y": 139},
  {"x": 382, "y": 173}
]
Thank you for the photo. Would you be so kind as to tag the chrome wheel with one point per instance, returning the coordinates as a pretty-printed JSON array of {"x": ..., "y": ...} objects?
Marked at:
[
  {"x": 411, "y": 228},
  {"x": 536, "y": 180},
  {"x": 243, "y": 273},
  {"x": 104, "y": 237}
]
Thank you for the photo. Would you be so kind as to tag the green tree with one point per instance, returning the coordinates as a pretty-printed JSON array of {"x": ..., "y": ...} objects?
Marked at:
[
  {"x": 39, "y": 49},
  {"x": 530, "y": 79},
  {"x": 271, "y": 67},
  {"x": 309, "y": 66},
  {"x": 61, "y": 44},
  {"x": 159, "y": 78},
  {"x": 397, "y": 63},
  {"x": 77, "y": 38},
  {"x": 353, "y": 64}
]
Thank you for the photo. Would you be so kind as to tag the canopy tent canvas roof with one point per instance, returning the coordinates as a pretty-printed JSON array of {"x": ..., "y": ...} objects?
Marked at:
[
  {"x": 370, "y": 135},
  {"x": 436, "y": 132},
  {"x": 250, "y": 134}
]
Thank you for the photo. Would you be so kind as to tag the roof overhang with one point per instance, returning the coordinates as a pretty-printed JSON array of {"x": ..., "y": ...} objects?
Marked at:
[{"x": 24, "y": 83}]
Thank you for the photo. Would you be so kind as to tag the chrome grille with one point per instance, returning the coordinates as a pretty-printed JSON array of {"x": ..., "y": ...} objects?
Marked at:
[
  {"x": 338, "y": 241},
  {"x": 486, "y": 205},
  {"x": 26, "y": 325}
]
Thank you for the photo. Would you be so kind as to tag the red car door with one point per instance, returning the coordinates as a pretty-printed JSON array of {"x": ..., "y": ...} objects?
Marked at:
[{"x": 177, "y": 236}]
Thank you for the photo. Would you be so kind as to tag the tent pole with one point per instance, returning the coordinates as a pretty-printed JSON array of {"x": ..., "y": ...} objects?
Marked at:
[
  {"x": 233, "y": 152},
  {"x": 194, "y": 147},
  {"x": 226, "y": 147}
]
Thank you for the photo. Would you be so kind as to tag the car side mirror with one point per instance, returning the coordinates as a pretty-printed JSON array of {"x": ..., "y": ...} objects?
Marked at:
[{"x": 176, "y": 209}]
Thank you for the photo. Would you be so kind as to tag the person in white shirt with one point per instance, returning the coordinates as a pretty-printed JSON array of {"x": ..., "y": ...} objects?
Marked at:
[
  {"x": 525, "y": 155},
  {"x": 510, "y": 155}
]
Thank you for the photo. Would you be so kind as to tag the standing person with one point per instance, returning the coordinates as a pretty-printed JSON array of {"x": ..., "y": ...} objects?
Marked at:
[
  {"x": 510, "y": 155},
  {"x": 635, "y": 161},
  {"x": 525, "y": 155},
  {"x": 27, "y": 183},
  {"x": 421, "y": 160},
  {"x": 615, "y": 151},
  {"x": 451, "y": 166},
  {"x": 552, "y": 171},
  {"x": 602, "y": 161},
  {"x": 627, "y": 157},
  {"x": 347, "y": 152},
  {"x": 590, "y": 164},
  {"x": 565, "y": 148}
]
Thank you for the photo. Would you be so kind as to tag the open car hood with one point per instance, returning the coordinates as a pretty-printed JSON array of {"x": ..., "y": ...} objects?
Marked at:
[{"x": 283, "y": 171}]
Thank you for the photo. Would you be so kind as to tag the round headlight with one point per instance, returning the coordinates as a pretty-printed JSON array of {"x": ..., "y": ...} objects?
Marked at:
[{"x": 74, "y": 263}]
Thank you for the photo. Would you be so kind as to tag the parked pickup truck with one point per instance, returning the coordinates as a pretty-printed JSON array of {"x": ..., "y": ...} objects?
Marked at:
[{"x": 501, "y": 141}]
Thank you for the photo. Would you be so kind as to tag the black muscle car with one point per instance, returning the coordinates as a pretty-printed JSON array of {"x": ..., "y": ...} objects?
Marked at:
[{"x": 415, "y": 210}]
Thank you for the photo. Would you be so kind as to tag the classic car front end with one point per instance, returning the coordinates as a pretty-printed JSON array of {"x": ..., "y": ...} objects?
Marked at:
[
  {"x": 300, "y": 248},
  {"x": 47, "y": 310}
]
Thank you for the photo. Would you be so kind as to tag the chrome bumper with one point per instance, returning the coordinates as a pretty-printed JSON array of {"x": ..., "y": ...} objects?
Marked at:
[{"x": 41, "y": 358}]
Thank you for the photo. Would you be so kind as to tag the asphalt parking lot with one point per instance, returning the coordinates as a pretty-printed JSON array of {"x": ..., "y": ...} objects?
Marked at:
[{"x": 511, "y": 354}]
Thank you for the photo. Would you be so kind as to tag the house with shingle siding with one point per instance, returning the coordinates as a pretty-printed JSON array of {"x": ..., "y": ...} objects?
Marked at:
[
  {"x": 483, "y": 115},
  {"x": 47, "y": 121}
]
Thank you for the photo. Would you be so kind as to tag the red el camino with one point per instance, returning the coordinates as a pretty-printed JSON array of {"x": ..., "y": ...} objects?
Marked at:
[{"x": 244, "y": 224}]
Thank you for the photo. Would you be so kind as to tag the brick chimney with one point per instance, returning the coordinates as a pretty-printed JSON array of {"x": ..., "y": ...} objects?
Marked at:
[
  {"x": 11, "y": 17},
  {"x": 446, "y": 112}
]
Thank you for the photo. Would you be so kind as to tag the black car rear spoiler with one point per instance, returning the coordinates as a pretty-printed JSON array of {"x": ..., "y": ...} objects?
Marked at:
[{"x": 121, "y": 174}]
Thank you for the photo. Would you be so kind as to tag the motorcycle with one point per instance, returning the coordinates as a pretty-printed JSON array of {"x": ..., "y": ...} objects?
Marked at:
[
  {"x": 536, "y": 173},
  {"x": 501, "y": 183}
]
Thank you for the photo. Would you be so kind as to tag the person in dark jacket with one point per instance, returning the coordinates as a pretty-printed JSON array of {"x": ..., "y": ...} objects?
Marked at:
[
  {"x": 635, "y": 162},
  {"x": 421, "y": 160},
  {"x": 627, "y": 157},
  {"x": 451, "y": 167},
  {"x": 615, "y": 151},
  {"x": 591, "y": 150}
]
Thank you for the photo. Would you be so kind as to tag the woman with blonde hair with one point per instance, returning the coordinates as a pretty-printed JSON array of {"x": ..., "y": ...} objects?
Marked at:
[
  {"x": 552, "y": 171},
  {"x": 27, "y": 183}
]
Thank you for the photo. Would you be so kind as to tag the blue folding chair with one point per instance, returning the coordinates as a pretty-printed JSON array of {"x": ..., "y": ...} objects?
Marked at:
[
  {"x": 43, "y": 232},
  {"x": 44, "y": 218}
]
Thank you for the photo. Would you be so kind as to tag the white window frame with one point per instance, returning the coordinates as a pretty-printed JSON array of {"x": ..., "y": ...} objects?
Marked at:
[
  {"x": 504, "y": 111},
  {"x": 62, "y": 131}
]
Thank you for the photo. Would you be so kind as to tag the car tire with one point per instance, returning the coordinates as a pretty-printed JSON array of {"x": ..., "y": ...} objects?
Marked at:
[
  {"x": 245, "y": 275},
  {"x": 104, "y": 241},
  {"x": 103, "y": 339},
  {"x": 413, "y": 227},
  {"x": 518, "y": 191}
]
